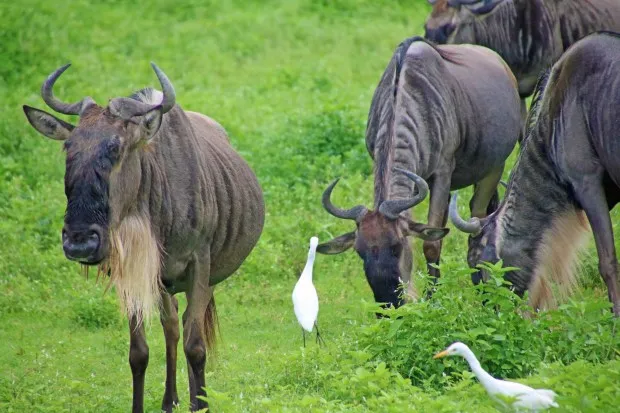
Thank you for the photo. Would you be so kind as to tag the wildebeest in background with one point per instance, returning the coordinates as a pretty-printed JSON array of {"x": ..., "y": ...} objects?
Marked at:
[
  {"x": 570, "y": 163},
  {"x": 530, "y": 35},
  {"x": 159, "y": 197},
  {"x": 446, "y": 114}
]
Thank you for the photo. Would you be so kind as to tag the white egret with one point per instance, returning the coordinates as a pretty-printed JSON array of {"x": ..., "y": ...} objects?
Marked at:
[
  {"x": 526, "y": 399},
  {"x": 305, "y": 298}
]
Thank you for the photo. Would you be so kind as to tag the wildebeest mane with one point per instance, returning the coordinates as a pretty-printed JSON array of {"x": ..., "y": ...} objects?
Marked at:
[
  {"x": 380, "y": 127},
  {"x": 539, "y": 90},
  {"x": 147, "y": 95}
]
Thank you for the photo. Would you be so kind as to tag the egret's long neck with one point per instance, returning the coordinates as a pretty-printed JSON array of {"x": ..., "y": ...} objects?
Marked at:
[
  {"x": 307, "y": 272},
  {"x": 484, "y": 377}
]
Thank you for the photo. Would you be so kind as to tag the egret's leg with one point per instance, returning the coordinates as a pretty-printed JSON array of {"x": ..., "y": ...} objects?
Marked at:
[
  {"x": 303, "y": 334},
  {"x": 319, "y": 339}
]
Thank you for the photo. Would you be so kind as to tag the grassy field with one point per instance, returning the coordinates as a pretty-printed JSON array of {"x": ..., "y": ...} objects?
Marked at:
[{"x": 291, "y": 81}]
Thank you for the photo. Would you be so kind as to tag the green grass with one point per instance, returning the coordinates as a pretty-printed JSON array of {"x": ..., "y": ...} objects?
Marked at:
[{"x": 291, "y": 81}]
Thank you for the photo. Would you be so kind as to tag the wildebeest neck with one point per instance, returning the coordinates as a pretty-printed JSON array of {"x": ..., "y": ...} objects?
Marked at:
[
  {"x": 535, "y": 193},
  {"x": 408, "y": 133}
]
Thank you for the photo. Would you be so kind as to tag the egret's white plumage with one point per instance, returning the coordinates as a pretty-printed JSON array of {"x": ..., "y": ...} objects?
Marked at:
[
  {"x": 305, "y": 298},
  {"x": 526, "y": 399}
]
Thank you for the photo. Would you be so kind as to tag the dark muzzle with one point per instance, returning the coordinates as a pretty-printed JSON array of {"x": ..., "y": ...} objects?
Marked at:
[{"x": 83, "y": 245}]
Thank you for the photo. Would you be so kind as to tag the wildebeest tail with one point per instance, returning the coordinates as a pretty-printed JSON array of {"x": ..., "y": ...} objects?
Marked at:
[{"x": 212, "y": 327}]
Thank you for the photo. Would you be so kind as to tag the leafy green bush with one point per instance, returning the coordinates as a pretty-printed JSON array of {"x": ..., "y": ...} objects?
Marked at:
[
  {"x": 507, "y": 343},
  {"x": 96, "y": 312},
  {"x": 318, "y": 148}
]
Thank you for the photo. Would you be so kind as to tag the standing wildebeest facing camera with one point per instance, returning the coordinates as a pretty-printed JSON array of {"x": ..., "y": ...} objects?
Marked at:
[
  {"x": 530, "y": 35},
  {"x": 446, "y": 114},
  {"x": 157, "y": 196},
  {"x": 569, "y": 164}
]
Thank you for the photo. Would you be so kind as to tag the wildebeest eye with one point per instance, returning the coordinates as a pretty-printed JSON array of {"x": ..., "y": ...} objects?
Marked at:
[
  {"x": 113, "y": 148},
  {"x": 395, "y": 250}
]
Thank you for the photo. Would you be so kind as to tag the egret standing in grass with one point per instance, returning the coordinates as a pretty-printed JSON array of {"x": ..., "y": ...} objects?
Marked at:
[
  {"x": 526, "y": 399},
  {"x": 305, "y": 299}
]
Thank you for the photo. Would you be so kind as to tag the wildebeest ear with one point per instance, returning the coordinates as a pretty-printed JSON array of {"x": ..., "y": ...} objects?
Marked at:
[
  {"x": 425, "y": 232},
  {"x": 151, "y": 121},
  {"x": 48, "y": 125},
  {"x": 338, "y": 244}
]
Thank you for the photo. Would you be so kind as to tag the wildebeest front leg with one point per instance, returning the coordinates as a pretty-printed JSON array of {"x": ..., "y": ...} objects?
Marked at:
[
  {"x": 437, "y": 217},
  {"x": 194, "y": 329},
  {"x": 485, "y": 199},
  {"x": 170, "y": 322},
  {"x": 138, "y": 360},
  {"x": 592, "y": 198}
]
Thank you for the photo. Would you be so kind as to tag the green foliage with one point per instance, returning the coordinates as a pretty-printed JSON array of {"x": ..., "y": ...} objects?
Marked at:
[
  {"x": 509, "y": 340},
  {"x": 96, "y": 312}
]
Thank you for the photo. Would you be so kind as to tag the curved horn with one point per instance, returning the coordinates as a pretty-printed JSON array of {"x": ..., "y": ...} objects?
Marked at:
[
  {"x": 354, "y": 213},
  {"x": 167, "y": 89},
  {"x": 473, "y": 226},
  {"x": 391, "y": 208},
  {"x": 61, "y": 107}
]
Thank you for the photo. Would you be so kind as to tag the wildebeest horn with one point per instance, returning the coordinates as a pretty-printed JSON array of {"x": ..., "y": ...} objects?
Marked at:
[
  {"x": 130, "y": 108},
  {"x": 473, "y": 226},
  {"x": 61, "y": 107},
  {"x": 167, "y": 89},
  {"x": 354, "y": 213},
  {"x": 391, "y": 208}
]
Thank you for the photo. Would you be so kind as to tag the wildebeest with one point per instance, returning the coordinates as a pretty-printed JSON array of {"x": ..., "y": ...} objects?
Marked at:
[
  {"x": 530, "y": 35},
  {"x": 447, "y": 114},
  {"x": 157, "y": 196},
  {"x": 569, "y": 164}
]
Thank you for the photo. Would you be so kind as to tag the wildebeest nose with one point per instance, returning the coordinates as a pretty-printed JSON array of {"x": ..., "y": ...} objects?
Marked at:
[
  {"x": 81, "y": 245},
  {"x": 439, "y": 34}
]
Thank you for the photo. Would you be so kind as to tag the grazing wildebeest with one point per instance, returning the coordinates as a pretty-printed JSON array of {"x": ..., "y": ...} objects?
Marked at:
[
  {"x": 157, "y": 196},
  {"x": 569, "y": 164},
  {"x": 530, "y": 35},
  {"x": 447, "y": 114}
]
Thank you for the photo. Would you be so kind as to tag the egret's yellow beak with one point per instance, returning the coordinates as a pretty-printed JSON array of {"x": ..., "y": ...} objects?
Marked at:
[{"x": 441, "y": 354}]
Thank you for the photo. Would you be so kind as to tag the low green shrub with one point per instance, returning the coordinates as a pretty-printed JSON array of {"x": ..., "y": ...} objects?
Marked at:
[
  {"x": 94, "y": 312},
  {"x": 508, "y": 338}
]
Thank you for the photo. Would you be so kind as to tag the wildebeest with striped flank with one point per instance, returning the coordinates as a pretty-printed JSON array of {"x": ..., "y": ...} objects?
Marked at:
[
  {"x": 448, "y": 115},
  {"x": 530, "y": 35},
  {"x": 158, "y": 197},
  {"x": 569, "y": 166}
]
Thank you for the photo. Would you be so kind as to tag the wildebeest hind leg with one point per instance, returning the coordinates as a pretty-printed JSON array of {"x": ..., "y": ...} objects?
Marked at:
[
  {"x": 437, "y": 217},
  {"x": 138, "y": 360},
  {"x": 195, "y": 334},
  {"x": 485, "y": 199},
  {"x": 592, "y": 198},
  {"x": 170, "y": 322}
]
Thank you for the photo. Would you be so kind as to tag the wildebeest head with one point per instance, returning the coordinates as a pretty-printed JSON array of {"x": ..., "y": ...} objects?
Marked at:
[
  {"x": 381, "y": 240},
  {"x": 457, "y": 18},
  {"x": 482, "y": 242},
  {"x": 103, "y": 172}
]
